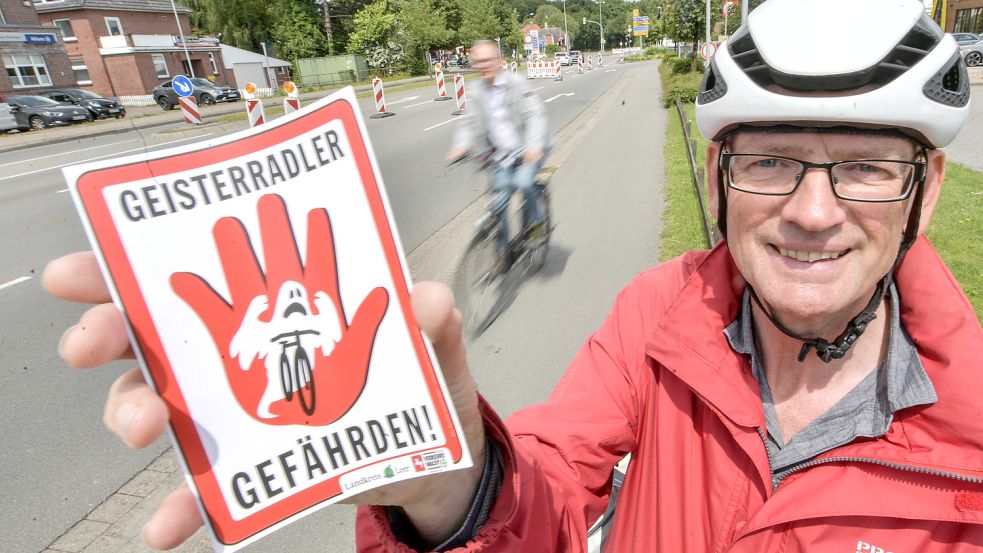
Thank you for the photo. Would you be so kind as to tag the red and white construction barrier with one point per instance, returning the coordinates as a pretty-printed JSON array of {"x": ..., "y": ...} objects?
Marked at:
[
  {"x": 515, "y": 67},
  {"x": 557, "y": 71},
  {"x": 292, "y": 102},
  {"x": 254, "y": 108},
  {"x": 441, "y": 86},
  {"x": 590, "y": 63},
  {"x": 544, "y": 70},
  {"x": 380, "y": 100},
  {"x": 600, "y": 60},
  {"x": 189, "y": 107},
  {"x": 459, "y": 95},
  {"x": 580, "y": 65}
]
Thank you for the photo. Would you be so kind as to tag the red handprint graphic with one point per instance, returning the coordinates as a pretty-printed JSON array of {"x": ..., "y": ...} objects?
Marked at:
[{"x": 288, "y": 350}]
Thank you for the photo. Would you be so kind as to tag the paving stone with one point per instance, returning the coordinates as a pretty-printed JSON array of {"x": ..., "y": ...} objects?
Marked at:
[
  {"x": 167, "y": 462},
  {"x": 113, "y": 508},
  {"x": 79, "y": 536},
  {"x": 144, "y": 483}
]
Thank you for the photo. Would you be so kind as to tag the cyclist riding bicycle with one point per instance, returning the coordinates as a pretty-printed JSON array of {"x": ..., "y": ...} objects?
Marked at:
[{"x": 507, "y": 118}]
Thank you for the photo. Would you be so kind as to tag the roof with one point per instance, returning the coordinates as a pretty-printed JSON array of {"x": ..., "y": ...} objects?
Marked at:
[
  {"x": 553, "y": 31},
  {"x": 232, "y": 55},
  {"x": 120, "y": 5}
]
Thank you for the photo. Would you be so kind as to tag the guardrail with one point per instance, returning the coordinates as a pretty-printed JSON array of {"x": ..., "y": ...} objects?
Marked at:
[{"x": 699, "y": 178}]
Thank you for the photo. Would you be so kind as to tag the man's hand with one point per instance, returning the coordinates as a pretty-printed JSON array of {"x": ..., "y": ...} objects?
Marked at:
[
  {"x": 532, "y": 157},
  {"x": 456, "y": 154},
  {"x": 436, "y": 504}
]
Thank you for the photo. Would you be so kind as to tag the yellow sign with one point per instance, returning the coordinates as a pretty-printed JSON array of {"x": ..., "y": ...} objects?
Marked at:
[
  {"x": 250, "y": 88},
  {"x": 289, "y": 87},
  {"x": 634, "y": 13},
  {"x": 641, "y": 33}
]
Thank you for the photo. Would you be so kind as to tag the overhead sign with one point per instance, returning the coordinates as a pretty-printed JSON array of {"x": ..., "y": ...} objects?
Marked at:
[
  {"x": 640, "y": 30},
  {"x": 262, "y": 279},
  {"x": 182, "y": 85}
]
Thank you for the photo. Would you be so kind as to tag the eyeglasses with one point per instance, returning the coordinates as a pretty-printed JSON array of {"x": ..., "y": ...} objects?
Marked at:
[{"x": 865, "y": 180}]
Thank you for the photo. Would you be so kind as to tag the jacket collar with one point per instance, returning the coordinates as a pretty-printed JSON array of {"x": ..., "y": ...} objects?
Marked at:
[{"x": 689, "y": 341}]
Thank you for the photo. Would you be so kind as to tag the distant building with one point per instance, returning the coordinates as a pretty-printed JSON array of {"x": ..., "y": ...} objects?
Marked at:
[
  {"x": 964, "y": 16},
  {"x": 248, "y": 67},
  {"x": 553, "y": 35},
  {"x": 128, "y": 47},
  {"x": 33, "y": 54}
]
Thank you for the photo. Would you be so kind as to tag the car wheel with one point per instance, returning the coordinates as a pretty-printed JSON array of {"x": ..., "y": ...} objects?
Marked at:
[
  {"x": 973, "y": 59},
  {"x": 206, "y": 100},
  {"x": 164, "y": 104},
  {"x": 37, "y": 123}
]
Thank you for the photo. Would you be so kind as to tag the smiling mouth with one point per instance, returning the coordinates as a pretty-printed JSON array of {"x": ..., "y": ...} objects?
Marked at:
[{"x": 810, "y": 257}]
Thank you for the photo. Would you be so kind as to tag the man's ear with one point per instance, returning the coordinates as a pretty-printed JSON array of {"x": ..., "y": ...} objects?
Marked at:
[
  {"x": 713, "y": 152},
  {"x": 934, "y": 175}
]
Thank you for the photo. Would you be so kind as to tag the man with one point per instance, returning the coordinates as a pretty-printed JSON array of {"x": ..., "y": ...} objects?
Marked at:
[
  {"x": 508, "y": 120},
  {"x": 811, "y": 384}
]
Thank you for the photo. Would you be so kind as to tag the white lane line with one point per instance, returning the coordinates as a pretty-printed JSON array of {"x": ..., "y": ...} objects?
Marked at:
[
  {"x": 420, "y": 104},
  {"x": 99, "y": 157},
  {"x": 557, "y": 96},
  {"x": 610, "y": 70},
  {"x": 14, "y": 282},
  {"x": 444, "y": 123},
  {"x": 540, "y": 88},
  {"x": 62, "y": 154},
  {"x": 578, "y": 75},
  {"x": 61, "y": 191},
  {"x": 401, "y": 100}
]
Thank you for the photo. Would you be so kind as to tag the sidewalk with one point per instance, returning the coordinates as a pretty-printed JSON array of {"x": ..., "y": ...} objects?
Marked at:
[{"x": 143, "y": 117}]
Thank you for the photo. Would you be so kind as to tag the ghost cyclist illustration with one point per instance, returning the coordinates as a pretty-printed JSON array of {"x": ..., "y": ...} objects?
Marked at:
[{"x": 290, "y": 353}]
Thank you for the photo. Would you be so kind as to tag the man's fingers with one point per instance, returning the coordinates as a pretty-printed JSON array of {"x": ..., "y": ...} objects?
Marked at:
[
  {"x": 134, "y": 412},
  {"x": 97, "y": 339},
  {"x": 175, "y": 521},
  {"x": 75, "y": 277}
]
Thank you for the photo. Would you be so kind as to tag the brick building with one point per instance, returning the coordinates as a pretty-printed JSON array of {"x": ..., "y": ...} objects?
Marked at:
[
  {"x": 128, "y": 47},
  {"x": 33, "y": 54},
  {"x": 964, "y": 16}
]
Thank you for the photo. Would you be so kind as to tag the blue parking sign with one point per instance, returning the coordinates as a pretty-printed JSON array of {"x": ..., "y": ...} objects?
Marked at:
[{"x": 182, "y": 85}]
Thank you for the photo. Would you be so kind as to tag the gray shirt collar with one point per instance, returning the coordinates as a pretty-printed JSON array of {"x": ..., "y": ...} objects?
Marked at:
[{"x": 866, "y": 411}]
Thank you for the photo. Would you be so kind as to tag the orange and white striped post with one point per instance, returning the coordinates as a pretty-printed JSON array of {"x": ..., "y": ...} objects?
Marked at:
[
  {"x": 380, "y": 100},
  {"x": 189, "y": 107},
  {"x": 292, "y": 102},
  {"x": 558, "y": 71},
  {"x": 515, "y": 67},
  {"x": 600, "y": 60},
  {"x": 254, "y": 106},
  {"x": 459, "y": 95},
  {"x": 590, "y": 63},
  {"x": 441, "y": 86},
  {"x": 580, "y": 65}
]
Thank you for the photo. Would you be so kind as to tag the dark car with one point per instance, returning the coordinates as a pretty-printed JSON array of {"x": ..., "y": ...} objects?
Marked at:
[
  {"x": 99, "y": 107},
  {"x": 38, "y": 112},
  {"x": 206, "y": 93}
]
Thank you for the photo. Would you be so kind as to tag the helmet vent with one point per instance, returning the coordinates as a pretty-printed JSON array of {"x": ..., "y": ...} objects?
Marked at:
[
  {"x": 713, "y": 86},
  {"x": 950, "y": 86},
  {"x": 916, "y": 44}
]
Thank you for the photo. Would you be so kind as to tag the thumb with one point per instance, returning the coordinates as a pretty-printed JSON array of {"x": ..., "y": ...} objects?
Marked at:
[{"x": 433, "y": 306}]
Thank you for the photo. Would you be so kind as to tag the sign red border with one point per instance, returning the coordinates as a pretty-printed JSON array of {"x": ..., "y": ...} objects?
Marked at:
[{"x": 90, "y": 186}]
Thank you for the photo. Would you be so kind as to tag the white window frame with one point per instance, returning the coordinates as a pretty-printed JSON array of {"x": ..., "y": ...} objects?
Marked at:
[
  {"x": 119, "y": 25},
  {"x": 81, "y": 65},
  {"x": 65, "y": 37},
  {"x": 211, "y": 58},
  {"x": 163, "y": 60},
  {"x": 3, "y": 18},
  {"x": 36, "y": 61}
]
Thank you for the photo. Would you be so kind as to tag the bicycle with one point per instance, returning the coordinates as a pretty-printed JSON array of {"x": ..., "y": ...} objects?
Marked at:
[
  {"x": 295, "y": 372},
  {"x": 485, "y": 275}
]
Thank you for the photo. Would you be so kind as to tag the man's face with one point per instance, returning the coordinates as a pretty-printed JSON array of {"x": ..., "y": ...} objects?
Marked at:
[
  {"x": 769, "y": 236},
  {"x": 484, "y": 58}
]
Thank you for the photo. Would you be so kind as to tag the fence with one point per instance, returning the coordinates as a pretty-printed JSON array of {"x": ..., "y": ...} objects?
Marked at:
[
  {"x": 338, "y": 77},
  {"x": 698, "y": 175}
]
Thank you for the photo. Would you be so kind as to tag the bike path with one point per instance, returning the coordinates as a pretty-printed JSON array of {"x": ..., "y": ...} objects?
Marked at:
[{"x": 607, "y": 203}]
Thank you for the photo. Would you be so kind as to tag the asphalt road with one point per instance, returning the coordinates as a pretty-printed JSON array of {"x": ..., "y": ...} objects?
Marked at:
[{"x": 57, "y": 460}]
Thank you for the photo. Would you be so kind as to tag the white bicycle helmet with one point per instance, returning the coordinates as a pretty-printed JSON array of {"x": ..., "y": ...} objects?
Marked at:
[{"x": 821, "y": 63}]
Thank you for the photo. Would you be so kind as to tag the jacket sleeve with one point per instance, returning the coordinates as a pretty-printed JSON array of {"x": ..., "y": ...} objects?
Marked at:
[
  {"x": 533, "y": 112},
  {"x": 558, "y": 456}
]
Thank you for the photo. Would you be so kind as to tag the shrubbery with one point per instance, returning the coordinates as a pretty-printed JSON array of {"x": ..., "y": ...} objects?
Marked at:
[{"x": 684, "y": 93}]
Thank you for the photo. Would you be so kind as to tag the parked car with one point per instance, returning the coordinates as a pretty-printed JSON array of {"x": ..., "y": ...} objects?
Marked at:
[
  {"x": 206, "y": 93},
  {"x": 972, "y": 53},
  {"x": 38, "y": 112},
  {"x": 574, "y": 56},
  {"x": 7, "y": 121},
  {"x": 563, "y": 57},
  {"x": 967, "y": 38},
  {"x": 99, "y": 107}
]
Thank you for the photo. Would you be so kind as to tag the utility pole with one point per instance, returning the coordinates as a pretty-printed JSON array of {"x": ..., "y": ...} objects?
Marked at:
[
  {"x": 566, "y": 34},
  {"x": 191, "y": 68},
  {"x": 600, "y": 22},
  {"x": 327, "y": 27}
]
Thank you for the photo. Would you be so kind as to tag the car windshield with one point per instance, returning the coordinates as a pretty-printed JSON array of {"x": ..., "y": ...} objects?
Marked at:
[
  {"x": 82, "y": 94},
  {"x": 202, "y": 82},
  {"x": 33, "y": 101}
]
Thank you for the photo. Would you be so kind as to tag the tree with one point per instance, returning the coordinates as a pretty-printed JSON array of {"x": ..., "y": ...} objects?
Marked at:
[
  {"x": 422, "y": 26},
  {"x": 375, "y": 36},
  {"x": 478, "y": 21},
  {"x": 241, "y": 23},
  {"x": 297, "y": 29}
]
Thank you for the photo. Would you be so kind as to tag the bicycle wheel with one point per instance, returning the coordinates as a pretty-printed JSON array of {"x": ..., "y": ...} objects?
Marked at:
[
  {"x": 305, "y": 380},
  {"x": 478, "y": 287},
  {"x": 286, "y": 384},
  {"x": 539, "y": 246}
]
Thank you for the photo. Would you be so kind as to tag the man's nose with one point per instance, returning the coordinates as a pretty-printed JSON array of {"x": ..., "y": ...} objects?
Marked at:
[{"x": 814, "y": 206}]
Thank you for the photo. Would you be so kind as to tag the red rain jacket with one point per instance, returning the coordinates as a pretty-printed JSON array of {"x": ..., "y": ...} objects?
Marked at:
[{"x": 659, "y": 380}]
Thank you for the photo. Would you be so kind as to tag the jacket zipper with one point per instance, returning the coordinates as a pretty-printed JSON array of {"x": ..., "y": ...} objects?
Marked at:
[
  {"x": 777, "y": 479},
  {"x": 764, "y": 440}
]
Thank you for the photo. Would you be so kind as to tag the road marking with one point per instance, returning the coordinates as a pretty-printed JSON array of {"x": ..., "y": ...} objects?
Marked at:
[
  {"x": 557, "y": 96},
  {"x": 100, "y": 157},
  {"x": 444, "y": 123},
  {"x": 420, "y": 104},
  {"x": 407, "y": 99},
  {"x": 61, "y": 191},
  {"x": 578, "y": 75},
  {"x": 14, "y": 282},
  {"x": 63, "y": 153},
  {"x": 610, "y": 70},
  {"x": 540, "y": 88}
]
